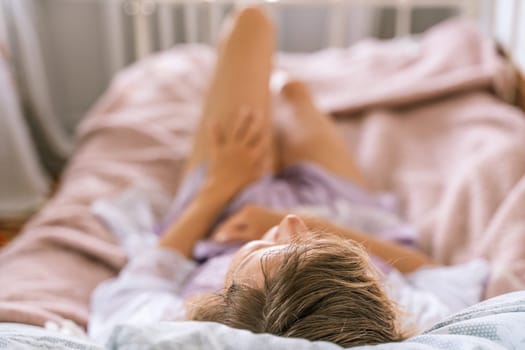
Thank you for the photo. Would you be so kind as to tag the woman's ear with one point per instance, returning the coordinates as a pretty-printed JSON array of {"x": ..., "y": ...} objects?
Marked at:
[{"x": 290, "y": 228}]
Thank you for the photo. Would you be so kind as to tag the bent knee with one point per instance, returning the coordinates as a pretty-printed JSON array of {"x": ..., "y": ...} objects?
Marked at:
[{"x": 253, "y": 18}]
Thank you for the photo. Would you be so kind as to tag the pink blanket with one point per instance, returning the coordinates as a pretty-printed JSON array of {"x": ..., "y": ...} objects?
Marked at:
[{"x": 424, "y": 120}]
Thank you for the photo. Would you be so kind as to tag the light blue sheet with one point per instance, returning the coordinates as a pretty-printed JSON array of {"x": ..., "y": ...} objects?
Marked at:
[
  {"x": 495, "y": 324},
  {"x": 15, "y": 336}
]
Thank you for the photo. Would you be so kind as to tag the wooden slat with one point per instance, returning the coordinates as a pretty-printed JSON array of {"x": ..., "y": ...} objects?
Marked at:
[
  {"x": 113, "y": 19},
  {"x": 336, "y": 24},
  {"x": 470, "y": 8},
  {"x": 272, "y": 8},
  {"x": 491, "y": 19},
  {"x": 403, "y": 17},
  {"x": 3, "y": 29},
  {"x": 191, "y": 21},
  {"x": 166, "y": 26},
  {"x": 515, "y": 26},
  {"x": 140, "y": 10},
  {"x": 215, "y": 18}
]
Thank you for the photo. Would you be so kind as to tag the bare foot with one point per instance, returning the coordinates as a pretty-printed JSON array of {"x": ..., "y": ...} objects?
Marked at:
[
  {"x": 296, "y": 92},
  {"x": 311, "y": 135},
  {"x": 298, "y": 95}
]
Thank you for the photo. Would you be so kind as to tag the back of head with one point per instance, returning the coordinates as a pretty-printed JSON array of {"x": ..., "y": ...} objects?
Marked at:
[{"x": 325, "y": 289}]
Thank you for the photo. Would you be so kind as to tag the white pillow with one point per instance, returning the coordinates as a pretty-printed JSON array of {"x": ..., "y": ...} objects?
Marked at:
[{"x": 492, "y": 325}]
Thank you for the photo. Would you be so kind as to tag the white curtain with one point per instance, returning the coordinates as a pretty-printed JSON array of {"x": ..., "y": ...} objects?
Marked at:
[
  {"x": 20, "y": 21},
  {"x": 23, "y": 183}
]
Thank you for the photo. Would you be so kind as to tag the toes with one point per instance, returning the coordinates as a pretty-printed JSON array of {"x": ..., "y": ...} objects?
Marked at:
[{"x": 296, "y": 91}]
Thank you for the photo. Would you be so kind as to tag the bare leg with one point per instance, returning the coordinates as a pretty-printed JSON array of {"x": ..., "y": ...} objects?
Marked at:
[
  {"x": 312, "y": 136},
  {"x": 241, "y": 78}
]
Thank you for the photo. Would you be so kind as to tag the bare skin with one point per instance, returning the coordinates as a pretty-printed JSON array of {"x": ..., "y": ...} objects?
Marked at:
[
  {"x": 241, "y": 78},
  {"x": 256, "y": 223},
  {"x": 236, "y": 140},
  {"x": 233, "y": 100},
  {"x": 246, "y": 267},
  {"x": 235, "y": 160},
  {"x": 313, "y": 137}
]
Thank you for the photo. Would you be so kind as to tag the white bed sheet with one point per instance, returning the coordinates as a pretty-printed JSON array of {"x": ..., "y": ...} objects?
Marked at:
[{"x": 427, "y": 296}]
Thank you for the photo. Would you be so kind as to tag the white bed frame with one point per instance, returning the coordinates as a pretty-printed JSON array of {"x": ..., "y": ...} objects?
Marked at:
[
  {"x": 505, "y": 26},
  {"x": 141, "y": 11}
]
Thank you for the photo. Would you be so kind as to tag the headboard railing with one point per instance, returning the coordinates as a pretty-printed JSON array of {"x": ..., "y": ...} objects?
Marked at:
[{"x": 142, "y": 10}]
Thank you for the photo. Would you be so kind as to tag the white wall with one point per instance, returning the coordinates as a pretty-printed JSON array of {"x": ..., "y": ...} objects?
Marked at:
[
  {"x": 73, "y": 34},
  {"x": 504, "y": 15}
]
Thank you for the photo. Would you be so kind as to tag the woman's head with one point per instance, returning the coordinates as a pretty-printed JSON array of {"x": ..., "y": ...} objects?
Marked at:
[{"x": 297, "y": 284}]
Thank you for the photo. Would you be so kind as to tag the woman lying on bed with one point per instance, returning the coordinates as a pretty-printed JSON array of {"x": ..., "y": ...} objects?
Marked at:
[{"x": 308, "y": 277}]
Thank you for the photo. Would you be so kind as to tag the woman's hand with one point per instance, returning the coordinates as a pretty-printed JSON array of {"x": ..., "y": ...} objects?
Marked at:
[
  {"x": 240, "y": 154},
  {"x": 248, "y": 224}
]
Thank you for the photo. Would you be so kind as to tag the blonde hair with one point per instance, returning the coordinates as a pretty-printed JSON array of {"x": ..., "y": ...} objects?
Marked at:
[{"x": 325, "y": 289}]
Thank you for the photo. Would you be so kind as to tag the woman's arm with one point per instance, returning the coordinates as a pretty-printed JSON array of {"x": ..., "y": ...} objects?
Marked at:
[
  {"x": 235, "y": 161},
  {"x": 252, "y": 222},
  {"x": 400, "y": 257},
  {"x": 196, "y": 219}
]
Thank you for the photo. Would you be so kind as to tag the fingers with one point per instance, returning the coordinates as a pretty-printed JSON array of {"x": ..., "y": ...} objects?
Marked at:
[
  {"x": 255, "y": 131},
  {"x": 232, "y": 230},
  {"x": 248, "y": 128},
  {"x": 261, "y": 150},
  {"x": 247, "y": 145},
  {"x": 242, "y": 123},
  {"x": 239, "y": 227},
  {"x": 215, "y": 135}
]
